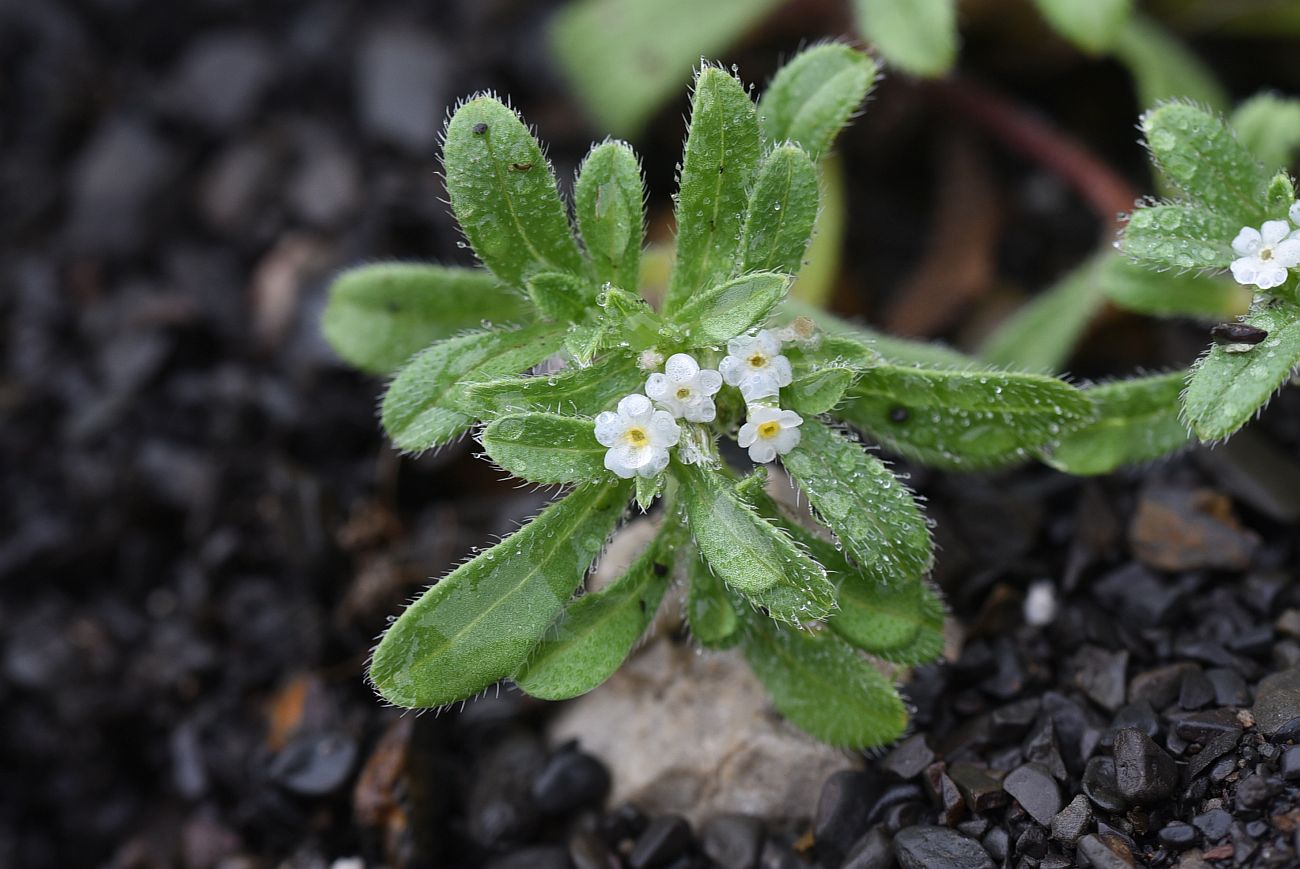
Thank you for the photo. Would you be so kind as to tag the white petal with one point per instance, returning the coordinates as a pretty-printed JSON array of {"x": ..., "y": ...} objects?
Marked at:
[
  {"x": 759, "y": 385},
  {"x": 1287, "y": 253},
  {"x": 616, "y": 461},
  {"x": 1294, "y": 213},
  {"x": 635, "y": 407},
  {"x": 762, "y": 451},
  {"x": 1270, "y": 276},
  {"x": 657, "y": 387},
  {"x": 701, "y": 410},
  {"x": 732, "y": 369},
  {"x": 1248, "y": 241},
  {"x": 790, "y": 419},
  {"x": 664, "y": 432},
  {"x": 759, "y": 414},
  {"x": 781, "y": 370},
  {"x": 786, "y": 440},
  {"x": 658, "y": 460},
  {"x": 681, "y": 368},
  {"x": 609, "y": 428},
  {"x": 708, "y": 381},
  {"x": 741, "y": 345},
  {"x": 747, "y": 435},
  {"x": 1274, "y": 231},
  {"x": 1245, "y": 269},
  {"x": 769, "y": 342}
]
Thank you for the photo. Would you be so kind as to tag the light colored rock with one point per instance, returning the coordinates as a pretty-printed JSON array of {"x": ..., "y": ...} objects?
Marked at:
[{"x": 694, "y": 733}]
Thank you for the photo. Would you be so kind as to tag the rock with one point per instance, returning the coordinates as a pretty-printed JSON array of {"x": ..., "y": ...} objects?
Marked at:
[
  {"x": 927, "y": 847},
  {"x": 1290, "y": 766},
  {"x": 732, "y": 841},
  {"x": 1100, "y": 674},
  {"x": 1177, "y": 835},
  {"x": 1189, "y": 529},
  {"x": 1073, "y": 821},
  {"x": 998, "y": 843},
  {"x": 1214, "y": 824},
  {"x": 1100, "y": 785},
  {"x": 943, "y": 791},
  {"x": 1139, "y": 716},
  {"x": 1040, "y": 746},
  {"x": 1011, "y": 722},
  {"x": 1213, "y": 750},
  {"x": 978, "y": 787},
  {"x": 1229, "y": 688},
  {"x": 1032, "y": 843},
  {"x": 537, "y": 857},
  {"x": 1144, "y": 772},
  {"x": 1206, "y": 725},
  {"x": 570, "y": 780},
  {"x": 400, "y": 87},
  {"x": 1253, "y": 793},
  {"x": 1277, "y": 701},
  {"x": 1033, "y": 786},
  {"x": 843, "y": 811},
  {"x": 499, "y": 807},
  {"x": 220, "y": 79},
  {"x": 114, "y": 181},
  {"x": 623, "y": 824},
  {"x": 667, "y": 838},
  {"x": 234, "y": 184},
  {"x": 909, "y": 758},
  {"x": 1104, "y": 854},
  {"x": 875, "y": 850},
  {"x": 1139, "y": 595},
  {"x": 706, "y": 742},
  {"x": 1197, "y": 690},
  {"x": 587, "y": 851},
  {"x": 315, "y": 764},
  {"x": 326, "y": 187},
  {"x": 1159, "y": 686}
]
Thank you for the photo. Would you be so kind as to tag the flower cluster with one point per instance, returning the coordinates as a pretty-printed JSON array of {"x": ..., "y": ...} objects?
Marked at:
[
  {"x": 1264, "y": 255},
  {"x": 639, "y": 436}
]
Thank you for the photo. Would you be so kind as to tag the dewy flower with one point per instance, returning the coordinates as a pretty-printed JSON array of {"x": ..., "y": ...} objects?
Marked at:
[
  {"x": 1294, "y": 213},
  {"x": 755, "y": 364},
  {"x": 1265, "y": 254},
  {"x": 684, "y": 389},
  {"x": 769, "y": 432},
  {"x": 638, "y": 437}
]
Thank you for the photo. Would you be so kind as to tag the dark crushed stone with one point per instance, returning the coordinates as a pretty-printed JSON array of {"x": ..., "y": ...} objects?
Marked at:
[
  {"x": 925, "y": 847},
  {"x": 664, "y": 840},
  {"x": 1033, "y": 786}
]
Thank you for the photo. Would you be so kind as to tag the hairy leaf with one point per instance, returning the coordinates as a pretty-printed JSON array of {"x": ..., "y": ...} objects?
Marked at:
[
  {"x": 1042, "y": 335},
  {"x": 503, "y": 194},
  {"x": 732, "y": 307},
  {"x": 871, "y": 512},
  {"x": 596, "y": 632},
  {"x": 1269, "y": 126},
  {"x": 782, "y": 211},
  {"x": 963, "y": 419},
  {"x": 1179, "y": 237},
  {"x": 712, "y": 618},
  {"x": 824, "y": 686},
  {"x": 878, "y": 345},
  {"x": 1137, "y": 420},
  {"x": 379, "y": 315},
  {"x": 609, "y": 200},
  {"x": 560, "y": 296},
  {"x": 546, "y": 447},
  {"x": 818, "y": 391},
  {"x": 812, "y": 97},
  {"x": 1163, "y": 68},
  {"x": 426, "y": 404},
  {"x": 1199, "y": 153},
  {"x": 751, "y": 556},
  {"x": 1171, "y": 293},
  {"x": 722, "y": 152},
  {"x": 917, "y": 36},
  {"x": 478, "y": 624},
  {"x": 1226, "y": 389},
  {"x": 1093, "y": 25},
  {"x": 574, "y": 391}
]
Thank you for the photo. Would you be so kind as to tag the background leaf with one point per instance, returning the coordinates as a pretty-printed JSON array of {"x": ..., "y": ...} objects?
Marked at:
[
  {"x": 1269, "y": 125},
  {"x": 812, "y": 97},
  {"x": 546, "y": 447},
  {"x": 503, "y": 194},
  {"x": 478, "y": 624},
  {"x": 1179, "y": 237},
  {"x": 609, "y": 200},
  {"x": 573, "y": 391},
  {"x": 1137, "y": 420},
  {"x": 917, "y": 36},
  {"x": 1163, "y": 68},
  {"x": 1171, "y": 293},
  {"x": 782, "y": 211},
  {"x": 379, "y": 315},
  {"x": 1093, "y": 25}
]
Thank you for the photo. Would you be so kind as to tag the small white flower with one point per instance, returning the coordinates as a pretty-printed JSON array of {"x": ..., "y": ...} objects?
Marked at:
[
  {"x": 638, "y": 437},
  {"x": 755, "y": 364},
  {"x": 769, "y": 432},
  {"x": 650, "y": 360},
  {"x": 684, "y": 389},
  {"x": 1265, "y": 254},
  {"x": 1294, "y": 213}
]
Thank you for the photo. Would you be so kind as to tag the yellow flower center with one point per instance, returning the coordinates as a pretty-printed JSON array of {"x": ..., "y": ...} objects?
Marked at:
[
  {"x": 758, "y": 360},
  {"x": 768, "y": 429},
  {"x": 684, "y": 393},
  {"x": 636, "y": 436},
  {"x": 1265, "y": 254}
]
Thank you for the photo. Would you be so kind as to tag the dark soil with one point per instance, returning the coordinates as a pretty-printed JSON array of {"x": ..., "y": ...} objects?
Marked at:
[{"x": 203, "y": 530}]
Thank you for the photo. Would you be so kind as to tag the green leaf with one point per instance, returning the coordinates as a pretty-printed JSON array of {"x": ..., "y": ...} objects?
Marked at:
[
  {"x": 1042, "y": 335},
  {"x": 1280, "y": 195},
  {"x": 647, "y": 489},
  {"x": 478, "y": 624},
  {"x": 1163, "y": 68},
  {"x": 732, "y": 307},
  {"x": 722, "y": 151},
  {"x": 902, "y": 351},
  {"x": 595, "y": 633},
  {"x": 751, "y": 556},
  {"x": 574, "y": 391},
  {"x": 1171, "y": 293},
  {"x": 812, "y": 97},
  {"x": 1226, "y": 389},
  {"x": 709, "y": 611},
  {"x": 609, "y": 200},
  {"x": 546, "y": 447},
  {"x": 1137, "y": 420},
  {"x": 823, "y": 686},
  {"x": 1199, "y": 154},
  {"x": 1180, "y": 237},
  {"x": 963, "y": 419},
  {"x": 560, "y": 296},
  {"x": 872, "y": 513},
  {"x": 426, "y": 404},
  {"x": 833, "y": 349},
  {"x": 817, "y": 392},
  {"x": 503, "y": 194},
  {"x": 917, "y": 36},
  {"x": 1269, "y": 126},
  {"x": 1093, "y": 25},
  {"x": 626, "y": 58},
  {"x": 782, "y": 211},
  {"x": 379, "y": 315}
]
